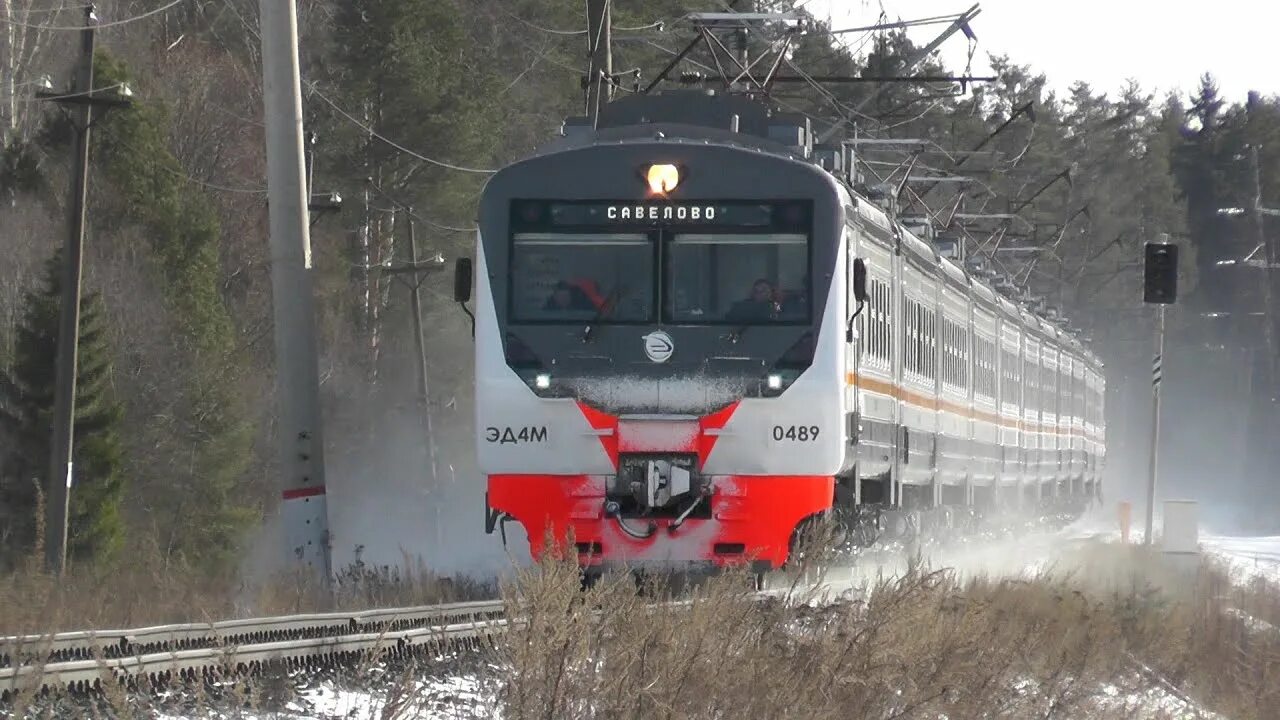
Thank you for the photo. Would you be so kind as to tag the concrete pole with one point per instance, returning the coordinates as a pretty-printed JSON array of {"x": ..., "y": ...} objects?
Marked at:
[
  {"x": 58, "y": 502},
  {"x": 303, "y": 509}
]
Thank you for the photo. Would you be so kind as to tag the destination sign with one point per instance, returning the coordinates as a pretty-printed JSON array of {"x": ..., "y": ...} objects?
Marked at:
[{"x": 662, "y": 212}]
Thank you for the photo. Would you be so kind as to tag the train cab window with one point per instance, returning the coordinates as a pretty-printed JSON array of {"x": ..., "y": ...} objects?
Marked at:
[
  {"x": 577, "y": 277},
  {"x": 745, "y": 279}
]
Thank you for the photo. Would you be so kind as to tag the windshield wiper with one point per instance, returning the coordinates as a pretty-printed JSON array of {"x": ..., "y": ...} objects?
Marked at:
[
  {"x": 605, "y": 307},
  {"x": 735, "y": 335}
]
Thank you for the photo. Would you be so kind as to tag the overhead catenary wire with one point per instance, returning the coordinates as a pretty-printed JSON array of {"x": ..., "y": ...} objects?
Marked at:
[
  {"x": 935, "y": 20},
  {"x": 880, "y": 126},
  {"x": 655, "y": 25},
  {"x": 96, "y": 26}
]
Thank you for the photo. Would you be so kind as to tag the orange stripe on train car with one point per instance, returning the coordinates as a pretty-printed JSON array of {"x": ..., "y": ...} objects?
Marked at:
[{"x": 928, "y": 403}]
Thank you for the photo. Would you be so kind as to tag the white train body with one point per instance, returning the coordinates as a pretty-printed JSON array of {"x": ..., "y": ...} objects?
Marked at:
[{"x": 620, "y": 401}]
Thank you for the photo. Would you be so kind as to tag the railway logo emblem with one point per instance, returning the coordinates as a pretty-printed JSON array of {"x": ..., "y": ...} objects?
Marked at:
[{"x": 658, "y": 346}]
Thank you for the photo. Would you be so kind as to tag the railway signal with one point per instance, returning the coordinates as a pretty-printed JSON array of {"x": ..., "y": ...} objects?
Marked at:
[
  {"x": 1160, "y": 287},
  {"x": 1160, "y": 273}
]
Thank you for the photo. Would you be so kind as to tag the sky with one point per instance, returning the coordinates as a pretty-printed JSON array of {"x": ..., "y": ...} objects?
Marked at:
[{"x": 1164, "y": 45}]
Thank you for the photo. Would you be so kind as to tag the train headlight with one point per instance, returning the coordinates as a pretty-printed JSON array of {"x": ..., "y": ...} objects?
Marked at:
[
  {"x": 662, "y": 178},
  {"x": 777, "y": 381},
  {"x": 542, "y": 381},
  {"x": 789, "y": 367}
]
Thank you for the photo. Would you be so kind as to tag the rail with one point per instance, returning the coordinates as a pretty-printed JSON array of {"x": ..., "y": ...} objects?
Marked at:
[
  {"x": 88, "y": 660},
  {"x": 80, "y": 660}
]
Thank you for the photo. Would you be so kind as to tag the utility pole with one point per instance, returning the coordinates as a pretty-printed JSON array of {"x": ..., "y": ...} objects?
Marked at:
[
  {"x": 421, "y": 341},
  {"x": 62, "y": 443},
  {"x": 423, "y": 389},
  {"x": 303, "y": 508},
  {"x": 1268, "y": 282},
  {"x": 64, "y": 403},
  {"x": 418, "y": 270},
  {"x": 600, "y": 66}
]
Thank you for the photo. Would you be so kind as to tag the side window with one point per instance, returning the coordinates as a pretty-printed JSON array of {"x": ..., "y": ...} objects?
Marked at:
[
  {"x": 908, "y": 335},
  {"x": 879, "y": 324},
  {"x": 933, "y": 343},
  {"x": 886, "y": 319},
  {"x": 1028, "y": 393},
  {"x": 931, "y": 351}
]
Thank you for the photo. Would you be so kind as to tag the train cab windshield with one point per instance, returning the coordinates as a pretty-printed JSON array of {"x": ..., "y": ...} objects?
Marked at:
[
  {"x": 743, "y": 279},
  {"x": 562, "y": 277},
  {"x": 731, "y": 263}
]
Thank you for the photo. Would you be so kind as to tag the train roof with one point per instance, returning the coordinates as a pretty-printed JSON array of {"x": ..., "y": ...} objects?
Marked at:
[{"x": 705, "y": 116}]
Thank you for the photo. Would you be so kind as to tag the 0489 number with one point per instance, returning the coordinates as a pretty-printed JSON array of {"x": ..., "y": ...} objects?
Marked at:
[{"x": 796, "y": 433}]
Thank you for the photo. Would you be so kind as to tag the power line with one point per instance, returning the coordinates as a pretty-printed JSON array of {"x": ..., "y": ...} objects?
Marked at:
[
  {"x": 432, "y": 223},
  {"x": 213, "y": 186},
  {"x": 30, "y": 11},
  {"x": 98, "y": 26},
  {"x": 440, "y": 163},
  {"x": 182, "y": 174},
  {"x": 64, "y": 96}
]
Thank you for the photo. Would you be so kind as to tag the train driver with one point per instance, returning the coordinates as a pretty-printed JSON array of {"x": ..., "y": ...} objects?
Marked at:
[
  {"x": 568, "y": 297},
  {"x": 762, "y": 305}
]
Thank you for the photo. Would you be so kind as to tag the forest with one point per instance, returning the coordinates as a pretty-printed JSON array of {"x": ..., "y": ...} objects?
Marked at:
[{"x": 412, "y": 103}]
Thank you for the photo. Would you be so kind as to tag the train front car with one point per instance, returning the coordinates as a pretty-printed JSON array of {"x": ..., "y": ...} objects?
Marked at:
[{"x": 660, "y": 336}]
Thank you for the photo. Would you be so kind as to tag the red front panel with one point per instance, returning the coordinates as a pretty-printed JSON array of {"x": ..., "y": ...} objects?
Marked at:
[{"x": 753, "y": 518}]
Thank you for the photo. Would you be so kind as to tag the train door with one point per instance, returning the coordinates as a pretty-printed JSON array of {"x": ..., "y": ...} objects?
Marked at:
[
  {"x": 900, "y": 436},
  {"x": 871, "y": 375},
  {"x": 847, "y": 485}
]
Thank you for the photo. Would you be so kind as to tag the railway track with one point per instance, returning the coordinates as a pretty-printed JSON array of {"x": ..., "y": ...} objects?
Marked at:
[
  {"x": 82, "y": 661},
  {"x": 89, "y": 660}
]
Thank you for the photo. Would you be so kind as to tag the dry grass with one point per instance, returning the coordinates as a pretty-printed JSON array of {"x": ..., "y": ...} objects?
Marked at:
[
  {"x": 144, "y": 589},
  {"x": 923, "y": 645}
]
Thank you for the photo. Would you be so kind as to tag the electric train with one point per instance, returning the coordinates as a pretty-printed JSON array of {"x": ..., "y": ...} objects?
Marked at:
[{"x": 693, "y": 336}]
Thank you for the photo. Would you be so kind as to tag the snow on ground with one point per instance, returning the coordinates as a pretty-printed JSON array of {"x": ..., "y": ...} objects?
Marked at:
[
  {"x": 459, "y": 697},
  {"x": 1248, "y": 557},
  {"x": 455, "y": 698},
  {"x": 467, "y": 697},
  {"x": 1154, "y": 702}
]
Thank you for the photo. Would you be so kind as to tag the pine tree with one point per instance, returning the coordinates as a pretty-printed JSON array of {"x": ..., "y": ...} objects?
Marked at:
[
  {"x": 95, "y": 526},
  {"x": 207, "y": 509}
]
